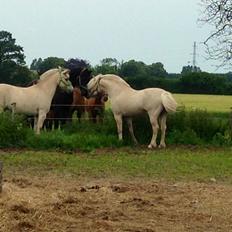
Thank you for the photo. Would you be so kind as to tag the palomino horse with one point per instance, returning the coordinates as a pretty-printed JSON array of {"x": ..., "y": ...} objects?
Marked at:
[
  {"x": 36, "y": 99},
  {"x": 126, "y": 101}
]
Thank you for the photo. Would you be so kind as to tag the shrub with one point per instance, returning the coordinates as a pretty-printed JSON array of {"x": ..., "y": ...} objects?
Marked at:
[{"x": 13, "y": 132}]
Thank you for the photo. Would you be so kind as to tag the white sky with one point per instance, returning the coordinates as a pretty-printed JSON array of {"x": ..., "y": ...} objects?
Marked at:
[{"x": 146, "y": 30}]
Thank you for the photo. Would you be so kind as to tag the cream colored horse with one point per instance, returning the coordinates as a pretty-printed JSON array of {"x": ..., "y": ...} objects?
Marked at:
[
  {"x": 127, "y": 102},
  {"x": 35, "y": 100}
]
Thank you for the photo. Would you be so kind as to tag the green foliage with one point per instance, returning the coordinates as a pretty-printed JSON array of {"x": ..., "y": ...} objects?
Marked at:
[
  {"x": 184, "y": 127},
  {"x": 13, "y": 132},
  {"x": 203, "y": 83},
  {"x": 42, "y": 66},
  {"x": 9, "y": 51},
  {"x": 12, "y": 70}
]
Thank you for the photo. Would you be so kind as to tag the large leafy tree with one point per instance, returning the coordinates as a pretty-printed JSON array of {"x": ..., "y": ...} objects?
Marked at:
[
  {"x": 218, "y": 14},
  {"x": 107, "y": 65},
  {"x": 12, "y": 63},
  {"x": 9, "y": 51},
  {"x": 74, "y": 63},
  {"x": 42, "y": 66},
  {"x": 157, "y": 70}
]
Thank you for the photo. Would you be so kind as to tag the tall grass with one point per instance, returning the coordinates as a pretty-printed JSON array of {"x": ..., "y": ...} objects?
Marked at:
[{"x": 197, "y": 127}]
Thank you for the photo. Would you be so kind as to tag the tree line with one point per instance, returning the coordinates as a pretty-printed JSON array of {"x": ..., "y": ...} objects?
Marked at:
[{"x": 139, "y": 75}]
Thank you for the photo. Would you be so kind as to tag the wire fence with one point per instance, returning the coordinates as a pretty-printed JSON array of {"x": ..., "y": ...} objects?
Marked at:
[{"x": 85, "y": 110}]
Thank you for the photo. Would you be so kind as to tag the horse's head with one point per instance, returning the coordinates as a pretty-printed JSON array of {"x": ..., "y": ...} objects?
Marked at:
[
  {"x": 64, "y": 83},
  {"x": 84, "y": 78},
  {"x": 80, "y": 76},
  {"x": 93, "y": 87}
]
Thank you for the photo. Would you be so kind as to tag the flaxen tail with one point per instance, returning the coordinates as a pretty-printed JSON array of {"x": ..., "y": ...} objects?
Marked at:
[{"x": 169, "y": 102}]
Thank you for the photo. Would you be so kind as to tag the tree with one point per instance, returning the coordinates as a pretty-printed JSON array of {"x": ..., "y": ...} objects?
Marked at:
[
  {"x": 42, "y": 66},
  {"x": 189, "y": 69},
  {"x": 218, "y": 14},
  {"x": 36, "y": 64},
  {"x": 12, "y": 69},
  {"x": 157, "y": 70},
  {"x": 9, "y": 51},
  {"x": 107, "y": 65},
  {"x": 74, "y": 63}
]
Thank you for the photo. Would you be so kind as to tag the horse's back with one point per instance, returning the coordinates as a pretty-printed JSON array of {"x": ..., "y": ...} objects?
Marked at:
[{"x": 153, "y": 97}]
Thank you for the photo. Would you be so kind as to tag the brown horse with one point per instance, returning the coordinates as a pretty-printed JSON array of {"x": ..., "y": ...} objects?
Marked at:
[
  {"x": 95, "y": 107},
  {"x": 78, "y": 104}
]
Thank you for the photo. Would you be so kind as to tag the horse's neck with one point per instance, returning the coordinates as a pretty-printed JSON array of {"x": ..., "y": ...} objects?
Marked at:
[
  {"x": 49, "y": 85},
  {"x": 114, "y": 88}
]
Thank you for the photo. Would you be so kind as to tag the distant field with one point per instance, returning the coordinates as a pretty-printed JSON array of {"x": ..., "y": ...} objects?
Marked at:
[{"x": 211, "y": 103}]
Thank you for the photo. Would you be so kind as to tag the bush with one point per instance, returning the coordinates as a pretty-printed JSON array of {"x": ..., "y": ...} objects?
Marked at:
[
  {"x": 13, "y": 132},
  {"x": 194, "y": 128}
]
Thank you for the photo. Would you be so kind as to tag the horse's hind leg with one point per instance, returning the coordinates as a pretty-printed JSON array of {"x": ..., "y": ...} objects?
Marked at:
[
  {"x": 130, "y": 126},
  {"x": 155, "y": 126},
  {"x": 163, "y": 119}
]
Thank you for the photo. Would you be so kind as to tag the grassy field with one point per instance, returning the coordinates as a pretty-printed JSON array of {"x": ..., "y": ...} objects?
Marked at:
[
  {"x": 170, "y": 164},
  {"x": 211, "y": 103}
]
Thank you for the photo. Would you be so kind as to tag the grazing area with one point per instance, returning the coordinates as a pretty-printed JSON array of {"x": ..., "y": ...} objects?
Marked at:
[
  {"x": 211, "y": 103},
  {"x": 178, "y": 189},
  {"x": 81, "y": 178}
]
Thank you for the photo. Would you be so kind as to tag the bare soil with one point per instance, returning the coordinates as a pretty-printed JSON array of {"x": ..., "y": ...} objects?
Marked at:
[{"x": 53, "y": 203}]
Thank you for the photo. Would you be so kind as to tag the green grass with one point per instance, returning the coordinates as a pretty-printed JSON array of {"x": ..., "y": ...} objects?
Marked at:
[
  {"x": 211, "y": 103},
  {"x": 171, "y": 164}
]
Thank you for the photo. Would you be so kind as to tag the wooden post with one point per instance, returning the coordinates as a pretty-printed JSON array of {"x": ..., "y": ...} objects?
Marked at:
[{"x": 1, "y": 166}]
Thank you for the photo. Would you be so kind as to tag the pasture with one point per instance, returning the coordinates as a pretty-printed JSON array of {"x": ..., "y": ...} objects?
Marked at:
[
  {"x": 211, "y": 103},
  {"x": 178, "y": 189},
  {"x": 82, "y": 178}
]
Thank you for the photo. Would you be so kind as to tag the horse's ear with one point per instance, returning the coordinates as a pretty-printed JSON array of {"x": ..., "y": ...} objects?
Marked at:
[{"x": 66, "y": 72}]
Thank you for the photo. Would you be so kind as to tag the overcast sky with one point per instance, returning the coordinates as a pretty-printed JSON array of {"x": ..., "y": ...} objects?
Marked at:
[{"x": 146, "y": 30}]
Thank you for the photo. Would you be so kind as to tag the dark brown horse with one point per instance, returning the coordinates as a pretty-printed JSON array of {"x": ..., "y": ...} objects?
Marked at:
[{"x": 62, "y": 101}]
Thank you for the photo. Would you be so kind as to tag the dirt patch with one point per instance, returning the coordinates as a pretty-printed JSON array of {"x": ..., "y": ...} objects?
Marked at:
[{"x": 71, "y": 204}]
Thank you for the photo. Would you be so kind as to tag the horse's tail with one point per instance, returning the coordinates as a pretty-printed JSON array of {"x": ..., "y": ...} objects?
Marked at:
[{"x": 168, "y": 102}]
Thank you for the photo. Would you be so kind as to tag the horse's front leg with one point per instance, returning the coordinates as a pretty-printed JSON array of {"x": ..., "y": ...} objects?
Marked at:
[
  {"x": 35, "y": 123},
  {"x": 13, "y": 109},
  {"x": 118, "y": 119},
  {"x": 41, "y": 118},
  {"x": 130, "y": 126}
]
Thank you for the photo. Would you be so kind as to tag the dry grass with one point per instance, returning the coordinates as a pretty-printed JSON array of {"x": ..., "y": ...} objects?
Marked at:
[{"x": 54, "y": 203}]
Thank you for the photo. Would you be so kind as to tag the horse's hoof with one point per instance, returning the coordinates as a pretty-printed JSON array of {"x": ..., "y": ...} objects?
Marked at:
[
  {"x": 150, "y": 146},
  {"x": 162, "y": 146}
]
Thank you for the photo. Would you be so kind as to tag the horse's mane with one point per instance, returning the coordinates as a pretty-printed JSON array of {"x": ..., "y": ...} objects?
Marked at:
[
  {"x": 47, "y": 73},
  {"x": 114, "y": 78}
]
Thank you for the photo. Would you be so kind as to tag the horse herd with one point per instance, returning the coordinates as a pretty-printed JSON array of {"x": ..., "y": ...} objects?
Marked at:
[{"x": 61, "y": 92}]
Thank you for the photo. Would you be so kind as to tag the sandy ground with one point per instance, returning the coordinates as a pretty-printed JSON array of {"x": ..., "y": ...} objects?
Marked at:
[{"x": 86, "y": 204}]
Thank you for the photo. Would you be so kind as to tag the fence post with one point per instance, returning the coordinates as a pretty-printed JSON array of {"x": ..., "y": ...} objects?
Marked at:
[{"x": 1, "y": 169}]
